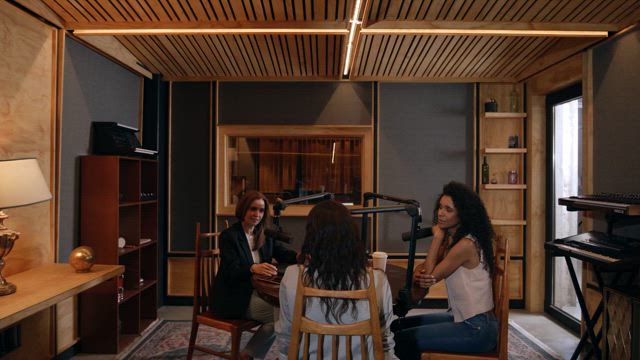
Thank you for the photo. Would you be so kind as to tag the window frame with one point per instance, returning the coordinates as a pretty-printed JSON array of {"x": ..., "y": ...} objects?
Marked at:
[{"x": 223, "y": 172}]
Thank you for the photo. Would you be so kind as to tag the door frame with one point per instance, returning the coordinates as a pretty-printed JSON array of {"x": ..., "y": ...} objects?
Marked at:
[{"x": 556, "y": 97}]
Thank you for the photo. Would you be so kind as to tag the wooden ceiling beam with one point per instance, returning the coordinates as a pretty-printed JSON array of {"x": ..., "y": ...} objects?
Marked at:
[
  {"x": 563, "y": 49},
  {"x": 490, "y": 26}
]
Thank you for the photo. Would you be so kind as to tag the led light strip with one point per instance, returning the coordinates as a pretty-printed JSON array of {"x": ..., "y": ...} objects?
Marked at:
[
  {"x": 226, "y": 31},
  {"x": 352, "y": 33},
  {"x": 488, "y": 32}
]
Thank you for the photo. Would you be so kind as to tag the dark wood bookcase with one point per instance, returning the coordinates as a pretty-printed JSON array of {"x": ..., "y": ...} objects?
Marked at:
[{"x": 119, "y": 199}]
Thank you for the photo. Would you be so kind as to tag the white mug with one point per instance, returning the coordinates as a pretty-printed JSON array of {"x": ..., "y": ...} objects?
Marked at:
[{"x": 379, "y": 260}]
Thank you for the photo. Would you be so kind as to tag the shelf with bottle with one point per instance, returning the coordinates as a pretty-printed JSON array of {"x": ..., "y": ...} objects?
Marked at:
[
  {"x": 504, "y": 150},
  {"x": 504, "y": 186},
  {"x": 504, "y": 115},
  {"x": 508, "y": 222}
]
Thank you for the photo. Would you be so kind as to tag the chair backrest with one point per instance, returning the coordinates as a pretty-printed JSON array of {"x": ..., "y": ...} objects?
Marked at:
[
  {"x": 303, "y": 326},
  {"x": 207, "y": 261},
  {"x": 501, "y": 295}
]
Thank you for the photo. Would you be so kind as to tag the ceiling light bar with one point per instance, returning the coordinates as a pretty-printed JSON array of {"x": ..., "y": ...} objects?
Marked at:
[
  {"x": 488, "y": 32},
  {"x": 352, "y": 33},
  {"x": 226, "y": 31}
]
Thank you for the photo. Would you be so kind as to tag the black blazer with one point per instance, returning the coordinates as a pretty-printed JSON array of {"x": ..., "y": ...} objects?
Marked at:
[{"x": 232, "y": 287}]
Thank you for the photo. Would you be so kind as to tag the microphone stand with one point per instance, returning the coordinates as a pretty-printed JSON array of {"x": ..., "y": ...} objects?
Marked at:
[
  {"x": 279, "y": 205},
  {"x": 412, "y": 208}
]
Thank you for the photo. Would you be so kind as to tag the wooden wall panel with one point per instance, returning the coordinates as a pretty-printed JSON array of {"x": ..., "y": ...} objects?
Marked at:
[
  {"x": 66, "y": 323},
  {"x": 180, "y": 276},
  {"x": 557, "y": 77},
  {"x": 27, "y": 120}
]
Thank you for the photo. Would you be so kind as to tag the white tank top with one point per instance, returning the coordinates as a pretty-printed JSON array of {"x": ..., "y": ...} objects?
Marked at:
[{"x": 469, "y": 290}]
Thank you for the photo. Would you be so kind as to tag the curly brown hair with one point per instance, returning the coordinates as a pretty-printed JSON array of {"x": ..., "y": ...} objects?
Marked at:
[
  {"x": 474, "y": 220},
  {"x": 334, "y": 256}
]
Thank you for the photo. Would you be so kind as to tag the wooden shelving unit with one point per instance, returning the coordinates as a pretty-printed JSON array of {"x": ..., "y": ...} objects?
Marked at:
[
  {"x": 113, "y": 206},
  {"x": 505, "y": 202},
  {"x": 504, "y": 151},
  {"x": 504, "y": 186}
]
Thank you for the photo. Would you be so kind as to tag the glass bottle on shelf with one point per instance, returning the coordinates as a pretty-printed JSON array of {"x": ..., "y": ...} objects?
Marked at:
[
  {"x": 485, "y": 171},
  {"x": 514, "y": 100}
]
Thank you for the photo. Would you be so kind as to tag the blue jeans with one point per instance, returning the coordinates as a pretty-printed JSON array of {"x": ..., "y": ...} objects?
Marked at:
[{"x": 438, "y": 332}]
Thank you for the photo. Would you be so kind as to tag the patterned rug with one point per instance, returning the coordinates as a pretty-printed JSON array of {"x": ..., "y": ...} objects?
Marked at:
[{"x": 169, "y": 339}]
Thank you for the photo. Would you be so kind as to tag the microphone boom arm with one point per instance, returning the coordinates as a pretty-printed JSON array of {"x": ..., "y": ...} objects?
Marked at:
[{"x": 280, "y": 204}]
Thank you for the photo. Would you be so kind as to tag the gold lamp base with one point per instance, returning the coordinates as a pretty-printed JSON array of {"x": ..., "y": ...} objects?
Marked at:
[
  {"x": 7, "y": 238},
  {"x": 7, "y": 288}
]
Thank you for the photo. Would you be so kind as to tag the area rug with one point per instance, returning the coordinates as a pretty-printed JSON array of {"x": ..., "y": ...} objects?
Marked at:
[{"x": 170, "y": 339}]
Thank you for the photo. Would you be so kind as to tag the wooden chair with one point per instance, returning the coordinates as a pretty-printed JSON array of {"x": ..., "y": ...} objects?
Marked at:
[
  {"x": 207, "y": 262},
  {"x": 501, "y": 310},
  {"x": 303, "y": 326}
]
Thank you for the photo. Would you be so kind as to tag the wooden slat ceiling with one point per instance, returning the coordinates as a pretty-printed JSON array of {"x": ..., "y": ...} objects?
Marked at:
[{"x": 307, "y": 39}]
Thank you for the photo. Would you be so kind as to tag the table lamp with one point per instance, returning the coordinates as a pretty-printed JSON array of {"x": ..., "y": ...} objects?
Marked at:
[{"x": 21, "y": 183}]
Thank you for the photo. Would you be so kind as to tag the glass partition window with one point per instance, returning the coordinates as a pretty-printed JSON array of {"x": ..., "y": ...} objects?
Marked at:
[
  {"x": 289, "y": 167},
  {"x": 292, "y": 166}
]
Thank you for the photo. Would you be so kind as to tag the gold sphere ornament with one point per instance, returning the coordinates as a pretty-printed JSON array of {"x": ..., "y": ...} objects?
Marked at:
[{"x": 82, "y": 258}]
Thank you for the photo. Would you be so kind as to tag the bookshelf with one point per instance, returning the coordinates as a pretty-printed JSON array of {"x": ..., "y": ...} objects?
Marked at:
[
  {"x": 118, "y": 199},
  {"x": 505, "y": 201}
]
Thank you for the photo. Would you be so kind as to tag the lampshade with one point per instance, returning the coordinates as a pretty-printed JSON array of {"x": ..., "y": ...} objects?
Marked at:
[{"x": 21, "y": 183}]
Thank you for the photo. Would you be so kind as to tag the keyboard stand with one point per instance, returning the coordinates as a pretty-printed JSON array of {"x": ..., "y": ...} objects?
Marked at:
[
  {"x": 601, "y": 264},
  {"x": 590, "y": 321}
]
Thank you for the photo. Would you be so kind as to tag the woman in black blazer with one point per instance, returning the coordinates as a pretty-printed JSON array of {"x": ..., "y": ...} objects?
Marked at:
[{"x": 244, "y": 251}]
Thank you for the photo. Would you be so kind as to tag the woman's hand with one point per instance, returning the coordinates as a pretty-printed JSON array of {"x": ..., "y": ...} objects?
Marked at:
[
  {"x": 438, "y": 233},
  {"x": 264, "y": 269},
  {"x": 424, "y": 280}
]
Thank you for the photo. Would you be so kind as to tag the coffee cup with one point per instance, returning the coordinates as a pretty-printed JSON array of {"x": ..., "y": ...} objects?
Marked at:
[{"x": 379, "y": 260}]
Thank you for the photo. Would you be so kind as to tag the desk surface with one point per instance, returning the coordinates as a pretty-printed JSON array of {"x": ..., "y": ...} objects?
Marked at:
[
  {"x": 46, "y": 285},
  {"x": 269, "y": 287}
]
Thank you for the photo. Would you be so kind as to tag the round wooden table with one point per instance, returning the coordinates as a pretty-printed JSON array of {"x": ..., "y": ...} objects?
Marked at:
[{"x": 269, "y": 287}]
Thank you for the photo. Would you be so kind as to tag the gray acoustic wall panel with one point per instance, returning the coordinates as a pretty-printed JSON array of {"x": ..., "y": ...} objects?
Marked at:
[
  {"x": 295, "y": 103},
  {"x": 425, "y": 140},
  {"x": 94, "y": 89},
  {"x": 190, "y": 162},
  {"x": 616, "y": 119}
]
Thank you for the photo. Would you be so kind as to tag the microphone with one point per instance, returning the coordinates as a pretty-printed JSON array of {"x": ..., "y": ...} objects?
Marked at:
[
  {"x": 278, "y": 235},
  {"x": 420, "y": 234},
  {"x": 279, "y": 205}
]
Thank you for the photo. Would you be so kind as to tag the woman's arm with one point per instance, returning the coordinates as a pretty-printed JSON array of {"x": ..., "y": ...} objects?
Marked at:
[
  {"x": 385, "y": 309},
  {"x": 283, "y": 325},
  {"x": 463, "y": 252},
  {"x": 437, "y": 244},
  {"x": 432, "y": 259},
  {"x": 231, "y": 260}
]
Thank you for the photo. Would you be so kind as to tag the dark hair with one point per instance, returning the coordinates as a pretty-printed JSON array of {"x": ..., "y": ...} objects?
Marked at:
[
  {"x": 241, "y": 210},
  {"x": 334, "y": 256},
  {"x": 474, "y": 219}
]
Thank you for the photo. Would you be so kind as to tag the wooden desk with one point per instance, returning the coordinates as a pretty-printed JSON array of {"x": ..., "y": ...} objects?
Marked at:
[
  {"x": 269, "y": 287},
  {"x": 44, "y": 286}
]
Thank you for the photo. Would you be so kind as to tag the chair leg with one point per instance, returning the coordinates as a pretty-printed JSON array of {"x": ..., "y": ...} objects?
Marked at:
[
  {"x": 192, "y": 339},
  {"x": 235, "y": 344}
]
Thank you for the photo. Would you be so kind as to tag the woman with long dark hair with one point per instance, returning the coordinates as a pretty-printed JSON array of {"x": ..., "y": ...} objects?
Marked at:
[
  {"x": 334, "y": 258},
  {"x": 246, "y": 250},
  {"x": 461, "y": 254}
]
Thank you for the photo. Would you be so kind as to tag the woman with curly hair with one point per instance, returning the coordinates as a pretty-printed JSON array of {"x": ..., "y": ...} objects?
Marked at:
[
  {"x": 246, "y": 250},
  {"x": 334, "y": 258},
  {"x": 461, "y": 254}
]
